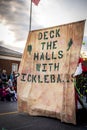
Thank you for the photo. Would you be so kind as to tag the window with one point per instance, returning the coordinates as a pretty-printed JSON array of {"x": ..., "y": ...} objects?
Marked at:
[{"x": 14, "y": 67}]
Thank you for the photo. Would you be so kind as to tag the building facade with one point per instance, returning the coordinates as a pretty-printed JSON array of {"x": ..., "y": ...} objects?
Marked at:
[{"x": 9, "y": 60}]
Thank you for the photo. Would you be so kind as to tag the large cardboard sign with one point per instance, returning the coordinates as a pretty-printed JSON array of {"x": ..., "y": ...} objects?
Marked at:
[{"x": 46, "y": 83}]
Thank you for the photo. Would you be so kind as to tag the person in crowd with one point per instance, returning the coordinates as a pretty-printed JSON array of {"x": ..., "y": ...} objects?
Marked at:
[
  {"x": 11, "y": 96},
  {"x": 10, "y": 84},
  {"x": 0, "y": 83},
  {"x": 4, "y": 76},
  {"x": 4, "y": 93},
  {"x": 0, "y": 73},
  {"x": 13, "y": 78},
  {"x": 1, "y": 88}
]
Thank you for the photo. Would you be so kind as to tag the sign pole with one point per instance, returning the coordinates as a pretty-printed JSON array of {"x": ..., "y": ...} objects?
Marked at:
[{"x": 30, "y": 16}]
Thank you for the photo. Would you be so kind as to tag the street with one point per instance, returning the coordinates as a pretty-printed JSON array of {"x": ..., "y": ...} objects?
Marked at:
[{"x": 10, "y": 119}]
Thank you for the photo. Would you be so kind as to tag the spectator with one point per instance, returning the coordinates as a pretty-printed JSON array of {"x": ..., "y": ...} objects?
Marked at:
[
  {"x": 4, "y": 77},
  {"x": 0, "y": 73},
  {"x": 0, "y": 83},
  {"x": 1, "y": 88},
  {"x": 4, "y": 93},
  {"x": 11, "y": 94},
  {"x": 13, "y": 78},
  {"x": 10, "y": 84}
]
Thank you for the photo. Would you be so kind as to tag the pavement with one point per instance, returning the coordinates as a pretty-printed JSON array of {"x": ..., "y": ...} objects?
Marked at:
[{"x": 10, "y": 119}]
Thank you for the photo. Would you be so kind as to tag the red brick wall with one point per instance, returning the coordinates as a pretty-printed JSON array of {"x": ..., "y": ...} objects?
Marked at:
[{"x": 7, "y": 65}]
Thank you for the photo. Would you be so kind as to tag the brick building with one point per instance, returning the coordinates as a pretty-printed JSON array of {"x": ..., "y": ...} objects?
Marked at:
[{"x": 9, "y": 59}]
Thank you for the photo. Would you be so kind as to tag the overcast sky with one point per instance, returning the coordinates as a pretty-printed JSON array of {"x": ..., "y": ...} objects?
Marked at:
[{"x": 15, "y": 18}]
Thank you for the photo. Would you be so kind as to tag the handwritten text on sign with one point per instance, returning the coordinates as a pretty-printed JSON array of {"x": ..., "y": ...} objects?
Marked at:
[{"x": 48, "y": 70}]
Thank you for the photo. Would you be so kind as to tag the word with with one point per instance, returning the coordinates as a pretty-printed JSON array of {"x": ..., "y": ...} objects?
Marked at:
[{"x": 47, "y": 67}]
